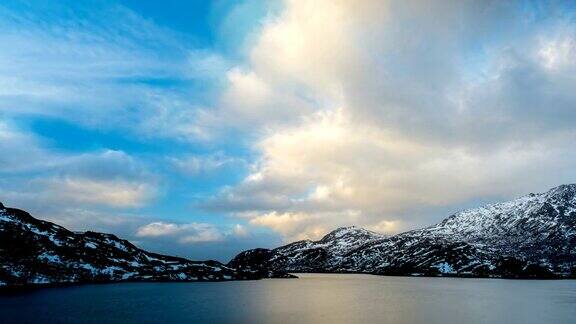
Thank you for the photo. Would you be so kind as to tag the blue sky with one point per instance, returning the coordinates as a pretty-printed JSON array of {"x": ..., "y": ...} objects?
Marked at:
[
  {"x": 112, "y": 54},
  {"x": 202, "y": 128}
]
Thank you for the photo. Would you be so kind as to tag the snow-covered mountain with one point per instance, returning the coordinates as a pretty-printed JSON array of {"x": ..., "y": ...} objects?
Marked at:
[
  {"x": 311, "y": 256},
  {"x": 532, "y": 236},
  {"x": 33, "y": 251}
]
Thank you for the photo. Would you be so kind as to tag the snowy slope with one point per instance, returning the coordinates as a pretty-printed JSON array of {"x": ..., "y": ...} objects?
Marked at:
[
  {"x": 523, "y": 222},
  {"x": 532, "y": 236},
  {"x": 325, "y": 253},
  {"x": 307, "y": 255},
  {"x": 38, "y": 252}
]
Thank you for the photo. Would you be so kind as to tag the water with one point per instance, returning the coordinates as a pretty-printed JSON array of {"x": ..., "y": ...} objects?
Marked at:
[{"x": 315, "y": 298}]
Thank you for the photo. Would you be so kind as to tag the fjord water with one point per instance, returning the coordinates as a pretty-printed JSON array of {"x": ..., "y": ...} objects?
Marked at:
[{"x": 314, "y": 298}]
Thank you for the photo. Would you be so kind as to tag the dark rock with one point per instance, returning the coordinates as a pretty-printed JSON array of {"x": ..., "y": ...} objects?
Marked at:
[{"x": 36, "y": 252}]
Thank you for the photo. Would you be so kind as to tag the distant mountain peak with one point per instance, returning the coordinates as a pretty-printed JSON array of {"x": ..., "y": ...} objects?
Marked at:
[
  {"x": 346, "y": 231},
  {"x": 533, "y": 236},
  {"x": 566, "y": 191}
]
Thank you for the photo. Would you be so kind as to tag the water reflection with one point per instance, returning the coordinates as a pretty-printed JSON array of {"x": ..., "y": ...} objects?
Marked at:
[{"x": 315, "y": 298}]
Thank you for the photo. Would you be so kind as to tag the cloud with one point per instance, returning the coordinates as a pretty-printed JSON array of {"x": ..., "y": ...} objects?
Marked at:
[
  {"x": 102, "y": 66},
  {"x": 205, "y": 164},
  {"x": 190, "y": 233},
  {"x": 375, "y": 113},
  {"x": 295, "y": 226},
  {"x": 402, "y": 109},
  {"x": 34, "y": 174},
  {"x": 21, "y": 151},
  {"x": 98, "y": 192},
  {"x": 158, "y": 229},
  {"x": 240, "y": 231}
]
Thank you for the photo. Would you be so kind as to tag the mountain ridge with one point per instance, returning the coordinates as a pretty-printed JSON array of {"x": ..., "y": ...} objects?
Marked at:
[
  {"x": 533, "y": 236},
  {"x": 37, "y": 252}
]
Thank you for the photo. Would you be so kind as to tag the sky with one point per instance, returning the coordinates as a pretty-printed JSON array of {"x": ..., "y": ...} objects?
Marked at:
[{"x": 204, "y": 128}]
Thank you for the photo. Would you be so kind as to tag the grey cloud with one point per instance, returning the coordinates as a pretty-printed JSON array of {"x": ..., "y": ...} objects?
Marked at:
[
  {"x": 420, "y": 106},
  {"x": 446, "y": 72}
]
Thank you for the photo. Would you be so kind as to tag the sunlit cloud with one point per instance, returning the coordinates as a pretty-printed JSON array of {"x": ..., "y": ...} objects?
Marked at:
[
  {"x": 110, "y": 193},
  {"x": 190, "y": 233},
  {"x": 407, "y": 111}
]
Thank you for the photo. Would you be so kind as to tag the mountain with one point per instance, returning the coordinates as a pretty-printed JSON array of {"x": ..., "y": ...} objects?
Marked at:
[
  {"x": 533, "y": 236},
  {"x": 308, "y": 256},
  {"x": 33, "y": 251}
]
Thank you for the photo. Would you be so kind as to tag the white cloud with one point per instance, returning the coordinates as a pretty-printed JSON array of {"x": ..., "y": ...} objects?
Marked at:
[
  {"x": 99, "y": 178},
  {"x": 184, "y": 233},
  {"x": 202, "y": 236},
  {"x": 21, "y": 151},
  {"x": 240, "y": 231},
  {"x": 289, "y": 224},
  {"x": 406, "y": 109},
  {"x": 205, "y": 164},
  {"x": 115, "y": 193},
  {"x": 190, "y": 233},
  {"x": 558, "y": 52},
  {"x": 101, "y": 66},
  {"x": 159, "y": 229}
]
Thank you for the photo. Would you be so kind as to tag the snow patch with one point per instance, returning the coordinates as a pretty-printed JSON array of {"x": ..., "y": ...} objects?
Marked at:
[
  {"x": 444, "y": 267},
  {"x": 40, "y": 279},
  {"x": 111, "y": 270},
  {"x": 128, "y": 275},
  {"x": 50, "y": 257}
]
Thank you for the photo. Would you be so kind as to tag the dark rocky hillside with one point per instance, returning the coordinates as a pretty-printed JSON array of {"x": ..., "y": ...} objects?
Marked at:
[{"x": 36, "y": 252}]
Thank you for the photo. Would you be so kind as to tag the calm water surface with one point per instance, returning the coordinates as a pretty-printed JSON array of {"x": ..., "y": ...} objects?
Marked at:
[{"x": 314, "y": 298}]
